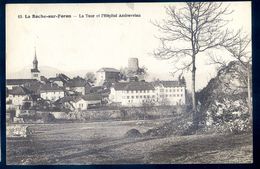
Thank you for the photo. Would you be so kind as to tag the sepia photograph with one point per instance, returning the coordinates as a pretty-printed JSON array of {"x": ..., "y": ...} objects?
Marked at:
[{"x": 129, "y": 83}]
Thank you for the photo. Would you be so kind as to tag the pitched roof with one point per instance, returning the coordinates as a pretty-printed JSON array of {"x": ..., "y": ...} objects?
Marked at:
[
  {"x": 19, "y": 90},
  {"x": 107, "y": 69},
  {"x": 18, "y": 81},
  {"x": 66, "y": 99},
  {"x": 120, "y": 86},
  {"x": 168, "y": 83},
  {"x": 50, "y": 87},
  {"x": 89, "y": 97},
  {"x": 133, "y": 86},
  {"x": 92, "y": 96},
  {"x": 77, "y": 82},
  {"x": 33, "y": 86},
  {"x": 60, "y": 77},
  {"x": 55, "y": 78}
]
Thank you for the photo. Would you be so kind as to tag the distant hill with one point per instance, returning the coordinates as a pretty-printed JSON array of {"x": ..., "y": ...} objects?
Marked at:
[
  {"x": 45, "y": 71},
  {"x": 48, "y": 71},
  {"x": 26, "y": 73}
]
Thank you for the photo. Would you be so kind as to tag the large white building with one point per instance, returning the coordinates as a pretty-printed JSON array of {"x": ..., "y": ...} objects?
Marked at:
[
  {"x": 170, "y": 92},
  {"x": 132, "y": 93},
  {"x": 158, "y": 93}
]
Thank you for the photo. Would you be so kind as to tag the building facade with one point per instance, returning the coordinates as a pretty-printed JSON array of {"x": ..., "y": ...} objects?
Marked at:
[
  {"x": 170, "y": 92},
  {"x": 107, "y": 75},
  {"x": 140, "y": 93},
  {"x": 17, "y": 97},
  {"x": 51, "y": 92},
  {"x": 78, "y": 85},
  {"x": 80, "y": 102},
  {"x": 132, "y": 93}
]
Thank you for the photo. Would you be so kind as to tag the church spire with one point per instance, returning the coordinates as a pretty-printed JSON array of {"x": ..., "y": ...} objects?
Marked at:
[
  {"x": 35, "y": 61},
  {"x": 35, "y": 73},
  {"x": 35, "y": 56}
]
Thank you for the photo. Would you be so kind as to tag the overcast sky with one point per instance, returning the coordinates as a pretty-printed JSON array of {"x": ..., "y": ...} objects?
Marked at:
[{"x": 72, "y": 44}]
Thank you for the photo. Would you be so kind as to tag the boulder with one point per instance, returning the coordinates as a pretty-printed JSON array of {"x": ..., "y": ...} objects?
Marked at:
[{"x": 133, "y": 133}]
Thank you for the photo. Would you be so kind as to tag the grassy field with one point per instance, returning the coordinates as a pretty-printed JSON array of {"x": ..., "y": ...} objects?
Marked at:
[{"x": 104, "y": 143}]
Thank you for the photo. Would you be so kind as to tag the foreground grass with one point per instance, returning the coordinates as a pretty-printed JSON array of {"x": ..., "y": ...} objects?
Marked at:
[{"x": 104, "y": 143}]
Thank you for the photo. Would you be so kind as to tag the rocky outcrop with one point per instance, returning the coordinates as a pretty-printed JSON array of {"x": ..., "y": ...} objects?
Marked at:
[{"x": 223, "y": 102}]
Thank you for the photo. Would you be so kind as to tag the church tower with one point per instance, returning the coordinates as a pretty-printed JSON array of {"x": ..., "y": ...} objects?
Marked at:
[{"x": 35, "y": 73}]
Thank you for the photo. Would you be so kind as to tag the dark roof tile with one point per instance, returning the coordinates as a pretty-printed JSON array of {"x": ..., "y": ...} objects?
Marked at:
[
  {"x": 18, "y": 81},
  {"x": 133, "y": 86},
  {"x": 50, "y": 87},
  {"x": 107, "y": 69},
  {"x": 19, "y": 90},
  {"x": 168, "y": 83}
]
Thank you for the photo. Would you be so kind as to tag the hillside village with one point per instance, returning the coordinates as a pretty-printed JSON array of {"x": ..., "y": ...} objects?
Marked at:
[{"x": 112, "y": 88}]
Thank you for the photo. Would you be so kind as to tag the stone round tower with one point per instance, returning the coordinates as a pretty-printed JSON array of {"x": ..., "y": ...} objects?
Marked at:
[{"x": 133, "y": 64}]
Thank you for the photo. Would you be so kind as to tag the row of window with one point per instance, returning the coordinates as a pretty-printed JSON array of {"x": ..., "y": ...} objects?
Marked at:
[
  {"x": 142, "y": 96},
  {"x": 153, "y": 96},
  {"x": 171, "y": 90},
  {"x": 172, "y": 95},
  {"x": 140, "y": 91},
  {"x": 152, "y": 91},
  {"x": 81, "y": 105},
  {"x": 51, "y": 97},
  {"x": 57, "y": 93},
  {"x": 131, "y": 101}
]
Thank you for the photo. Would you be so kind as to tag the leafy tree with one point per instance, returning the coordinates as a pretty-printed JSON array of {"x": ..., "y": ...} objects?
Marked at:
[{"x": 90, "y": 77}]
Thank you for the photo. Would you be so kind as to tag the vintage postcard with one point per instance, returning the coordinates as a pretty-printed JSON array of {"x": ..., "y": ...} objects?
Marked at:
[{"x": 129, "y": 83}]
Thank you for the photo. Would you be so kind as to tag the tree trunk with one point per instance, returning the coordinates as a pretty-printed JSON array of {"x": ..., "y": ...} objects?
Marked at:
[
  {"x": 249, "y": 94},
  {"x": 194, "y": 105}
]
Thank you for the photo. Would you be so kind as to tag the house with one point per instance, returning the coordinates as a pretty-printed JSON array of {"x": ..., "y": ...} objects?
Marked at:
[
  {"x": 10, "y": 83},
  {"x": 51, "y": 91},
  {"x": 132, "y": 93},
  {"x": 79, "y": 102},
  {"x": 60, "y": 79},
  {"x": 33, "y": 87},
  {"x": 107, "y": 75},
  {"x": 93, "y": 99},
  {"x": 87, "y": 101},
  {"x": 79, "y": 85},
  {"x": 18, "y": 96},
  {"x": 56, "y": 80}
]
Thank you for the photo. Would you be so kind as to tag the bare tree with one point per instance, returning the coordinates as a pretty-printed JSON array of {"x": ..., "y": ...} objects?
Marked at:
[
  {"x": 140, "y": 73},
  {"x": 147, "y": 106},
  {"x": 190, "y": 30}
]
